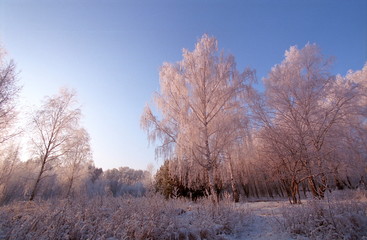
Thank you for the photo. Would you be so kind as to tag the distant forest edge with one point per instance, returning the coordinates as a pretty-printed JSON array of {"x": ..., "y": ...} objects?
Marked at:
[{"x": 303, "y": 133}]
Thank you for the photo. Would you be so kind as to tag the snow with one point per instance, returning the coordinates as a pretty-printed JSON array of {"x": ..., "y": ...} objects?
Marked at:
[{"x": 265, "y": 215}]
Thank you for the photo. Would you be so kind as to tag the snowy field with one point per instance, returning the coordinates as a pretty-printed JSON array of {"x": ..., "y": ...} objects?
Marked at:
[{"x": 337, "y": 217}]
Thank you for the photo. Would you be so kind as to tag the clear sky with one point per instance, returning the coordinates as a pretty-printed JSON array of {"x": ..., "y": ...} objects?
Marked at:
[{"x": 110, "y": 52}]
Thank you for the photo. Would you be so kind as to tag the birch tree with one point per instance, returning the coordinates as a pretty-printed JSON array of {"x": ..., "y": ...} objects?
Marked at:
[
  {"x": 53, "y": 127},
  {"x": 8, "y": 94},
  {"x": 303, "y": 106},
  {"x": 202, "y": 107},
  {"x": 351, "y": 160},
  {"x": 8, "y": 162},
  {"x": 77, "y": 156}
]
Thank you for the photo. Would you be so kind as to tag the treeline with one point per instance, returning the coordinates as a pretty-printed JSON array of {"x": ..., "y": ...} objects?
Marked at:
[
  {"x": 304, "y": 133},
  {"x": 17, "y": 182}
]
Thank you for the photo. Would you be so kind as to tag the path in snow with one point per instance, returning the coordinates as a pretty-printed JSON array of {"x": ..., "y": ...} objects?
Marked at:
[{"x": 264, "y": 222}]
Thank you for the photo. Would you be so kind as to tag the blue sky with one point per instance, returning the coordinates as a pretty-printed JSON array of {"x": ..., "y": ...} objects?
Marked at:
[{"x": 110, "y": 52}]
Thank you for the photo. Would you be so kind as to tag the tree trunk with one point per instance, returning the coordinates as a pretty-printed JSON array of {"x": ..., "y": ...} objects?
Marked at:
[
  {"x": 349, "y": 183},
  {"x": 323, "y": 186},
  {"x": 246, "y": 189},
  {"x": 236, "y": 197},
  {"x": 313, "y": 188},
  {"x": 338, "y": 184},
  {"x": 71, "y": 181},
  {"x": 278, "y": 190},
  {"x": 295, "y": 192},
  {"x": 268, "y": 189},
  {"x": 35, "y": 188},
  {"x": 255, "y": 189},
  {"x": 270, "y": 192},
  {"x": 213, "y": 192},
  {"x": 304, "y": 189},
  {"x": 70, "y": 186},
  {"x": 287, "y": 189}
]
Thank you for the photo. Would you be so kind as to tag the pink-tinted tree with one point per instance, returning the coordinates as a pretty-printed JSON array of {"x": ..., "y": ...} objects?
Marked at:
[
  {"x": 8, "y": 93},
  {"x": 53, "y": 127},
  {"x": 202, "y": 108},
  {"x": 302, "y": 109},
  {"x": 78, "y": 156}
]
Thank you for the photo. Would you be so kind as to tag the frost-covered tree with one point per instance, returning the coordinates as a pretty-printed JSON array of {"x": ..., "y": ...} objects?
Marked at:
[
  {"x": 8, "y": 94},
  {"x": 78, "y": 156},
  {"x": 53, "y": 126},
  {"x": 303, "y": 108},
  {"x": 8, "y": 149},
  {"x": 124, "y": 180},
  {"x": 349, "y": 166},
  {"x": 201, "y": 101},
  {"x": 9, "y": 160}
]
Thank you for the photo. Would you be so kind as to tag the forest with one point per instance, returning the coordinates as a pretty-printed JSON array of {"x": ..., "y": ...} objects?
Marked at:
[{"x": 296, "y": 138}]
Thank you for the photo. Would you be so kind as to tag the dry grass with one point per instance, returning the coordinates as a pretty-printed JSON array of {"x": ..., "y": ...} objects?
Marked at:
[
  {"x": 120, "y": 218},
  {"x": 343, "y": 215}
]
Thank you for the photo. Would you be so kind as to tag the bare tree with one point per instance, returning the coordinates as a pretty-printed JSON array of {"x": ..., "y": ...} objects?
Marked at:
[
  {"x": 8, "y": 94},
  {"x": 54, "y": 125},
  {"x": 202, "y": 107}
]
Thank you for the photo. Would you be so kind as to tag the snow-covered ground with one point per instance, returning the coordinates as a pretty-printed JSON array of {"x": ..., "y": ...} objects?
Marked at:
[
  {"x": 341, "y": 215},
  {"x": 263, "y": 222},
  {"x": 156, "y": 218}
]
